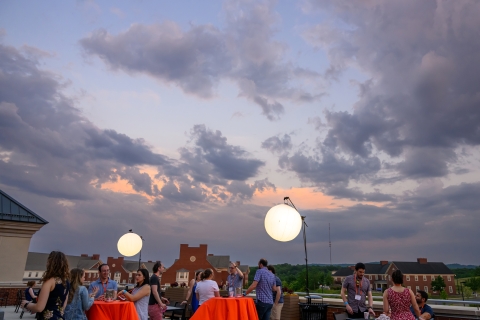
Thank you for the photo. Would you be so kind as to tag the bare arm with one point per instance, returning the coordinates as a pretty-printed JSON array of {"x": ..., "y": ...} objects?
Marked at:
[
  {"x": 345, "y": 299},
  {"x": 386, "y": 307},
  {"x": 252, "y": 287},
  {"x": 144, "y": 291},
  {"x": 190, "y": 289},
  {"x": 370, "y": 302},
  {"x": 217, "y": 293},
  {"x": 154, "y": 288},
  {"x": 32, "y": 294},
  {"x": 240, "y": 273},
  {"x": 279, "y": 292},
  {"x": 414, "y": 303}
]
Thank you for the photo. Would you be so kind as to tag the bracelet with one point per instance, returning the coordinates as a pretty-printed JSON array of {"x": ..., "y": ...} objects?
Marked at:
[
  {"x": 346, "y": 302},
  {"x": 124, "y": 291}
]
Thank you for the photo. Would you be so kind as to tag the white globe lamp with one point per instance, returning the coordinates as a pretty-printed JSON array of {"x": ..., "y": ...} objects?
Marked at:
[
  {"x": 283, "y": 223},
  {"x": 129, "y": 244}
]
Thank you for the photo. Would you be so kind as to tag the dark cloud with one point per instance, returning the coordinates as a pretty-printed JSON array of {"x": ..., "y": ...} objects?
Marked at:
[
  {"x": 422, "y": 99},
  {"x": 277, "y": 144},
  {"x": 199, "y": 58}
]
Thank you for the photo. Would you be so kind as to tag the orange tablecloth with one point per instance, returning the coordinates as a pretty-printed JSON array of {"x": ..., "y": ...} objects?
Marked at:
[
  {"x": 227, "y": 308},
  {"x": 116, "y": 310}
]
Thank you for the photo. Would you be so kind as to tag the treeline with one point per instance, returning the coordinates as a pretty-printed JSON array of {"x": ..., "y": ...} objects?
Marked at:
[
  {"x": 466, "y": 272},
  {"x": 294, "y": 276}
]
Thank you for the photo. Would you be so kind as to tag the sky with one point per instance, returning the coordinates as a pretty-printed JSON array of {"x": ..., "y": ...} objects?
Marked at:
[{"x": 186, "y": 121}]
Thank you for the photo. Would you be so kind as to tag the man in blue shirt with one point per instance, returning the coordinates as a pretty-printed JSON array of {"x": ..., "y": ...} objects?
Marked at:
[
  {"x": 235, "y": 278},
  {"x": 277, "y": 296},
  {"x": 103, "y": 283},
  {"x": 426, "y": 312},
  {"x": 264, "y": 284}
]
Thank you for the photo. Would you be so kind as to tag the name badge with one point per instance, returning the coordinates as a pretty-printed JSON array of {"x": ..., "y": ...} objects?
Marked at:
[{"x": 358, "y": 297}]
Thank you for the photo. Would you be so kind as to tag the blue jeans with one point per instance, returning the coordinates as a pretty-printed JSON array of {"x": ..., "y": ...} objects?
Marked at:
[{"x": 263, "y": 310}]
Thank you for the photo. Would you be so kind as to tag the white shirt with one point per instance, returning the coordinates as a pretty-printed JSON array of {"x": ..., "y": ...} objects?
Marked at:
[{"x": 206, "y": 290}]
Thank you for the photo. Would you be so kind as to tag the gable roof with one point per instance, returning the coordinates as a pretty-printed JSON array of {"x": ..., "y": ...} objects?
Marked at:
[
  {"x": 422, "y": 268},
  {"x": 132, "y": 266},
  {"x": 219, "y": 262},
  {"x": 38, "y": 261},
  {"x": 12, "y": 210}
]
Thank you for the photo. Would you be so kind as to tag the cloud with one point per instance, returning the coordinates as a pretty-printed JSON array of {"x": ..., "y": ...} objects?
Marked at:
[
  {"x": 278, "y": 144},
  {"x": 198, "y": 59}
]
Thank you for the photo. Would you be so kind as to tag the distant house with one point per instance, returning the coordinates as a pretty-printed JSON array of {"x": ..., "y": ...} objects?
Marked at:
[
  {"x": 193, "y": 259},
  {"x": 123, "y": 271},
  {"x": 417, "y": 275},
  {"x": 17, "y": 226},
  {"x": 37, "y": 263}
]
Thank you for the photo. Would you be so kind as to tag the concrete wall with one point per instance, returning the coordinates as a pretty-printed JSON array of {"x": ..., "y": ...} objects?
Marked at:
[{"x": 14, "y": 243}]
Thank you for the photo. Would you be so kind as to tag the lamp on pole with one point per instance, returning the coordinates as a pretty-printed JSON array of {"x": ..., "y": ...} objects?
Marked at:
[
  {"x": 130, "y": 244},
  {"x": 283, "y": 222}
]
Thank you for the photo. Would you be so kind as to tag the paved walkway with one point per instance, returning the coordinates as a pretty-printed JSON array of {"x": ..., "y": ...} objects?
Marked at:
[{"x": 11, "y": 315}]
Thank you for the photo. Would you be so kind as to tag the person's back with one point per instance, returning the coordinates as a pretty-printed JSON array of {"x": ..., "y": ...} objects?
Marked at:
[
  {"x": 206, "y": 289},
  {"x": 400, "y": 301},
  {"x": 54, "y": 306},
  {"x": 75, "y": 310}
]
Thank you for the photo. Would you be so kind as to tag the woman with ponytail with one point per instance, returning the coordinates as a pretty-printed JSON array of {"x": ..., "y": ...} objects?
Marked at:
[
  {"x": 207, "y": 288},
  {"x": 78, "y": 299}
]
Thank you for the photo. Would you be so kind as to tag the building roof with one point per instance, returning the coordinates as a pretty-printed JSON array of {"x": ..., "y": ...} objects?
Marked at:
[
  {"x": 132, "y": 266},
  {"x": 219, "y": 262},
  {"x": 12, "y": 210},
  {"x": 38, "y": 261},
  {"x": 370, "y": 268},
  {"x": 422, "y": 268}
]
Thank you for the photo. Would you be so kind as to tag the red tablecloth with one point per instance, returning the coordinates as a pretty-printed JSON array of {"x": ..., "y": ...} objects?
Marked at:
[
  {"x": 116, "y": 310},
  {"x": 227, "y": 308}
]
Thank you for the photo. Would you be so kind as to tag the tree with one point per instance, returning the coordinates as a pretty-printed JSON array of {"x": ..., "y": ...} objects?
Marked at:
[
  {"x": 473, "y": 283},
  {"x": 444, "y": 295},
  {"x": 467, "y": 292},
  {"x": 477, "y": 271},
  {"x": 438, "y": 284}
]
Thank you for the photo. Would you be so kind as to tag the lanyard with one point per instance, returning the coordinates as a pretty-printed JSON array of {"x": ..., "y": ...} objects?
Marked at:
[
  {"x": 105, "y": 286},
  {"x": 232, "y": 279},
  {"x": 360, "y": 285}
]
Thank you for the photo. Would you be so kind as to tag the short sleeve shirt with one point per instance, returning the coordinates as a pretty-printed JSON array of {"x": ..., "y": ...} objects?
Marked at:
[
  {"x": 278, "y": 283},
  {"x": 353, "y": 290},
  {"x": 206, "y": 290},
  {"x": 426, "y": 308},
  {"x": 111, "y": 285},
  {"x": 234, "y": 281},
  {"x": 266, "y": 281},
  {"x": 154, "y": 281}
]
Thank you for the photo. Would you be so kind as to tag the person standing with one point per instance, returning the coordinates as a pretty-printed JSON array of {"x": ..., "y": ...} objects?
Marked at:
[
  {"x": 277, "y": 296},
  {"x": 207, "y": 288},
  {"x": 140, "y": 294},
  {"x": 78, "y": 299},
  {"x": 103, "y": 283},
  {"x": 235, "y": 278},
  {"x": 191, "y": 291},
  {"x": 156, "y": 304},
  {"x": 357, "y": 287},
  {"x": 264, "y": 284},
  {"x": 397, "y": 300},
  {"x": 29, "y": 294},
  {"x": 52, "y": 298}
]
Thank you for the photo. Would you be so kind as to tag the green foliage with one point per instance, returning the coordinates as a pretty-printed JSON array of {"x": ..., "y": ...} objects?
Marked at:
[
  {"x": 477, "y": 271},
  {"x": 473, "y": 283},
  {"x": 438, "y": 284},
  {"x": 443, "y": 295},
  {"x": 467, "y": 292},
  {"x": 466, "y": 272},
  {"x": 294, "y": 276}
]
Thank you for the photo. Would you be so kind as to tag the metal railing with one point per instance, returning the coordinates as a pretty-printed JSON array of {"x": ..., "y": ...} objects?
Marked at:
[{"x": 380, "y": 298}]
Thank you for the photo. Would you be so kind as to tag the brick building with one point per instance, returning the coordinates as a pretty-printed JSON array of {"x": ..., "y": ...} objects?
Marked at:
[
  {"x": 123, "y": 271},
  {"x": 193, "y": 259},
  {"x": 416, "y": 275}
]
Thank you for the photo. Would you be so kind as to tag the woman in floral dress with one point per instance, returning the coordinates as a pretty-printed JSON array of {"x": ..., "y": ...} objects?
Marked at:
[
  {"x": 397, "y": 300},
  {"x": 52, "y": 298}
]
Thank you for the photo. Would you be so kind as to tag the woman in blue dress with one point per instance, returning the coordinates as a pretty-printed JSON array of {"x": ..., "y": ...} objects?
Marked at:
[
  {"x": 78, "y": 299},
  {"x": 52, "y": 298},
  {"x": 191, "y": 291},
  {"x": 29, "y": 294}
]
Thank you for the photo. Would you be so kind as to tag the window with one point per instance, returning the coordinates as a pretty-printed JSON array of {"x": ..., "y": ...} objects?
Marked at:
[
  {"x": 409, "y": 287},
  {"x": 450, "y": 289},
  {"x": 408, "y": 278},
  {"x": 424, "y": 278},
  {"x": 433, "y": 278},
  {"x": 376, "y": 277},
  {"x": 416, "y": 278},
  {"x": 30, "y": 274},
  {"x": 425, "y": 288},
  {"x": 369, "y": 277},
  {"x": 449, "y": 278},
  {"x": 36, "y": 275},
  {"x": 417, "y": 288}
]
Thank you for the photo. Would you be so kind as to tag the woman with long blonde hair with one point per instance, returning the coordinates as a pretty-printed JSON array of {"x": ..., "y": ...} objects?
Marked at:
[
  {"x": 52, "y": 298},
  {"x": 78, "y": 299}
]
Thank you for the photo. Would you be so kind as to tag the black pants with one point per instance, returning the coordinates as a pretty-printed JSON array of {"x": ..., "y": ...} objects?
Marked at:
[{"x": 355, "y": 315}]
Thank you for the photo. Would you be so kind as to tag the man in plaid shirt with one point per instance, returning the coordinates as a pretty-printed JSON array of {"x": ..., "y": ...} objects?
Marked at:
[{"x": 264, "y": 284}]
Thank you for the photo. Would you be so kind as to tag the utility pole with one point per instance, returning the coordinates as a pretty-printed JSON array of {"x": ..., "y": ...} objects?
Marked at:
[{"x": 330, "y": 243}]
